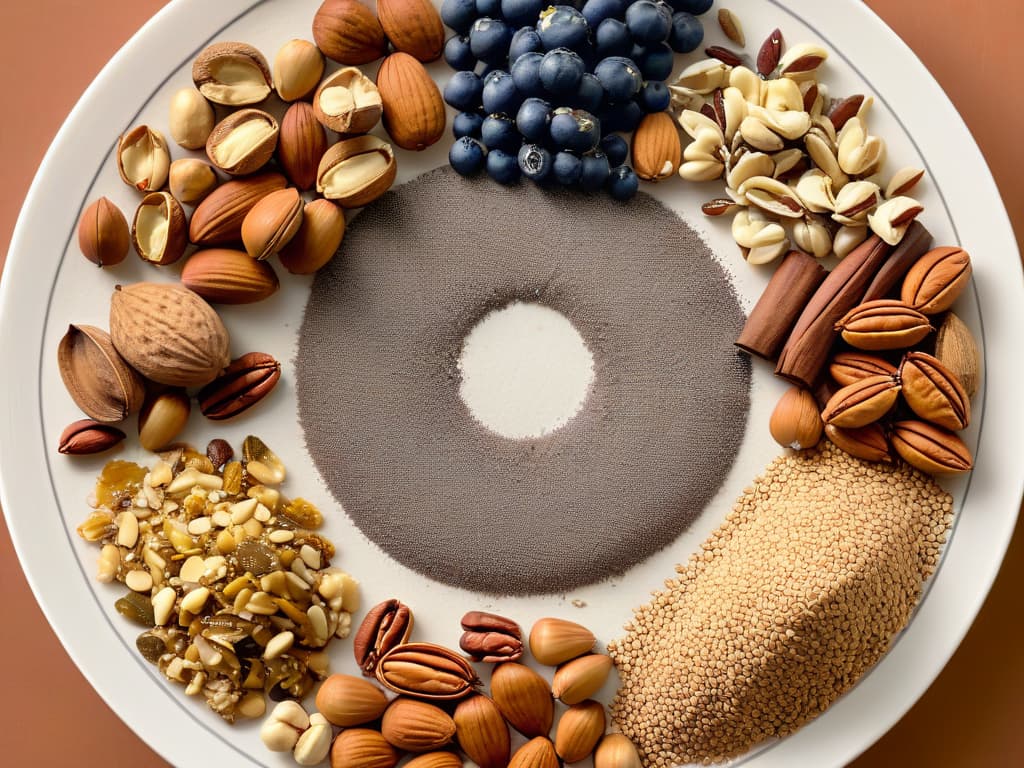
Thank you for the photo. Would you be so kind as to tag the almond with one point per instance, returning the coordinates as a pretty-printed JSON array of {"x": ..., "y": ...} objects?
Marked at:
[
  {"x": 348, "y": 32},
  {"x": 227, "y": 276},
  {"x": 861, "y": 403},
  {"x": 412, "y": 26},
  {"x": 937, "y": 279},
  {"x": 524, "y": 699},
  {"x": 347, "y": 700},
  {"x": 553, "y": 641},
  {"x": 272, "y": 223},
  {"x": 318, "y": 238},
  {"x": 579, "y": 729},
  {"x": 414, "y": 112},
  {"x": 416, "y": 726},
  {"x": 168, "y": 333},
  {"x": 103, "y": 233},
  {"x": 301, "y": 144},
  {"x": 435, "y": 760},
  {"x": 482, "y": 732},
  {"x": 657, "y": 150},
  {"x": 362, "y": 748},
  {"x": 536, "y": 753},
  {"x": 218, "y": 219},
  {"x": 581, "y": 678},
  {"x": 616, "y": 751},
  {"x": 87, "y": 436}
]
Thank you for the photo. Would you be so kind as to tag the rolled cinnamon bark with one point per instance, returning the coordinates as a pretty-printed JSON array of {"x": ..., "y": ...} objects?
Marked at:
[
  {"x": 915, "y": 243},
  {"x": 787, "y": 293},
  {"x": 807, "y": 350}
]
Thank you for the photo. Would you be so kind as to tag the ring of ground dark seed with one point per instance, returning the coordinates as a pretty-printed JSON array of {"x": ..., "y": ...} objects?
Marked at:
[{"x": 377, "y": 380}]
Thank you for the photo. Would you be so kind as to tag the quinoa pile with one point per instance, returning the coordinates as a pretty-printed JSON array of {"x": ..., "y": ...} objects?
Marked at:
[{"x": 799, "y": 592}]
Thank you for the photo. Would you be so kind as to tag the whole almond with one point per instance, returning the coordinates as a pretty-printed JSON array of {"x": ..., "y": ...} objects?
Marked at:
[
  {"x": 849, "y": 367},
  {"x": 412, "y": 26},
  {"x": 159, "y": 229},
  {"x": 318, "y": 238},
  {"x": 482, "y": 732},
  {"x": 347, "y": 700},
  {"x": 769, "y": 54},
  {"x": 937, "y": 279},
  {"x": 524, "y": 698},
  {"x": 579, "y": 729},
  {"x": 362, "y": 748},
  {"x": 553, "y": 641},
  {"x": 657, "y": 150},
  {"x": 348, "y": 32},
  {"x": 232, "y": 74},
  {"x": 536, "y": 753},
  {"x": 168, "y": 333},
  {"x": 414, "y": 112},
  {"x": 227, "y": 276},
  {"x": 87, "y": 436},
  {"x": 957, "y": 349},
  {"x": 731, "y": 26},
  {"x": 581, "y": 678},
  {"x": 97, "y": 377},
  {"x": 435, "y": 760},
  {"x": 796, "y": 423},
  {"x": 218, "y": 219},
  {"x": 930, "y": 448},
  {"x": 272, "y": 223},
  {"x": 868, "y": 442},
  {"x": 416, "y": 726},
  {"x": 616, "y": 751},
  {"x": 243, "y": 142},
  {"x": 883, "y": 324},
  {"x": 103, "y": 233},
  {"x": 301, "y": 144},
  {"x": 162, "y": 418},
  {"x": 933, "y": 392},
  {"x": 861, "y": 403},
  {"x": 245, "y": 382}
]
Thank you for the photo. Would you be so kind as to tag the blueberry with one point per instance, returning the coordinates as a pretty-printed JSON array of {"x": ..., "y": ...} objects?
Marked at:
[
  {"x": 696, "y": 7},
  {"x": 595, "y": 170},
  {"x": 647, "y": 23},
  {"x": 534, "y": 161},
  {"x": 589, "y": 94},
  {"x": 622, "y": 183},
  {"x": 466, "y": 156},
  {"x": 499, "y": 132},
  {"x": 654, "y": 96},
  {"x": 616, "y": 148},
  {"x": 500, "y": 93},
  {"x": 489, "y": 40},
  {"x": 561, "y": 71},
  {"x": 562, "y": 26},
  {"x": 575, "y": 129},
  {"x": 457, "y": 53},
  {"x": 459, "y": 14},
  {"x": 489, "y": 8},
  {"x": 467, "y": 124},
  {"x": 525, "y": 40},
  {"x": 596, "y": 11},
  {"x": 503, "y": 166},
  {"x": 533, "y": 119},
  {"x": 687, "y": 32},
  {"x": 526, "y": 74},
  {"x": 520, "y": 13},
  {"x": 620, "y": 77},
  {"x": 655, "y": 61},
  {"x": 623, "y": 117},
  {"x": 567, "y": 168},
  {"x": 612, "y": 39},
  {"x": 463, "y": 91}
]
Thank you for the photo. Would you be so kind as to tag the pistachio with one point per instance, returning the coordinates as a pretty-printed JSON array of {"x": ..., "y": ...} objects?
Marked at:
[
  {"x": 849, "y": 367},
  {"x": 937, "y": 279},
  {"x": 524, "y": 698},
  {"x": 759, "y": 135},
  {"x": 272, "y": 223},
  {"x": 903, "y": 181},
  {"x": 844, "y": 109},
  {"x": 347, "y": 701},
  {"x": 347, "y": 101},
  {"x": 772, "y": 196},
  {"x": 482, "y": 732},
  {"x": 857, "y": 152},
  {"x": 554, "y": 641},
  {"x": 956, "y": 348},
  {"x": 318, "y": 238},
  {"x": 616, "y": 751},
  {"x": 298, "y": 67},
  {"x": 191, "y": 118},
  {"x": 854, "y": 202},
  {"x": 162, "y": 418},
  {"x": 159, "y": 229},
  {"x": 933, "y": 392},
  {"x": 87, "y": 436},
  {"x": 579, "y": 729},
  {"x": 795, "y": 423},
  {"x": 930, "y": 448},
  {"x": 883, "y": 324},
  {"x": 802, "y": 60},
  {"x": 704, "y": 76},
  {"x": 848, "y": 238},
  {"x": 867, "y": 442},
  {"x": 356, "y": 171},
  {"x": 416, "y": 726},
  {"x": 98, "y": 379},
  {"x": 748, "y": 166},
  {"x": 861, "y": 403},
  {"x": 892, "y": 218},
  {"x": 823, "y": 154},
  {"x": 246, "y": 381},
  {"x": 142, "y": 158},
  {"x": 765, "y": 239},
  {"x": 815, "y": 191},
  {"x": 232, "y": 74},
  {"x": 789, "y": 163},
  {"x": 103, "y": 233},
  {"x": 301, "y": 144},
  {"x": 813, "y": 237},
  {"x": 191, "y": 180},
  {"x": 243, "y": 142},
  {"x": 581, "y": 678}
]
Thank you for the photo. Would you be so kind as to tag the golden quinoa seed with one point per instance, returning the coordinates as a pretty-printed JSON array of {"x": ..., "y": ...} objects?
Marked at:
[{"x": 798, "y": 593}]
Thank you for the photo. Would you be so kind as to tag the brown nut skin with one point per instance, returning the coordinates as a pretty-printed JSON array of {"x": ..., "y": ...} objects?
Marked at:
[
  {"x": 412, "y": 26},
  {"x": 301, "y": 144},
  {"x": 219, "y": 452},
  {"x": 581, "y": 678},
  {"x": 318, "y": 238},
  {"x": 553, "y": 640},
  {"x": 272, "y": 223},
  {"x": 539, "y": 752},
  {"x": 862, "y": 402},
  {"x": 87, "y": 436},
  {"x": 362, "y": 748},
  {"x": 579, "y": 729},
  {"x": 524, "y": 698},
  {"x": 849, "y": 367},
  {"x": 883, "y": 324},
  {"x": 796, "y": 423},
  {"x": 347, "y": 701},
  {"x": 868, "y": 443},
  {"x": 414, "y": 112},
  {"x": 245, "y": 382},
  {"x": 933, "y": 392},
  {"x": 657, "y": 149},
  {"x": 416, "y": 726},
  {"x": 103, "y": 233},
  {"x": 348, "y": 32},
  {"x": 100, "y": 381}
]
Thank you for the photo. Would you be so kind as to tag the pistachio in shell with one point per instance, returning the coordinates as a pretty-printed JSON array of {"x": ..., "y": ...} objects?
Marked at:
[
  {"x": 159, "y": 229},
  {"x": 98, "y": 379}
]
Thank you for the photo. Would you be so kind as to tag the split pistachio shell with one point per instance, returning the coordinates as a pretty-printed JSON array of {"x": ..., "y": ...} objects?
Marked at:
[
  {"x": 758, "y": 135},
  {"x": 98, "y": 379},
  {"x": 159, "y": 229},
  {"x": 772, "y": 196},
  {"x": 848, "y": 238},
  {"x": 752, "y": 229},
  {"x": 892, "y": 218},
  {"x": 857, "y": 151},
  {"x": 243, "y": 142},
  {"x": 813, "y": 237},
  {"x": 232, "y": 74},
  {"x": 356, "y": 171},
  {"x": 298, "y": 67},
  {"x": 142, "y": 159},
  {"x": 749, "y": 165},
  {"x": 191, "y": 118},
  {"x": 815, "y": 191},
  {"x": 348, "y": 102},
  {"x": 855, "y": 201}
]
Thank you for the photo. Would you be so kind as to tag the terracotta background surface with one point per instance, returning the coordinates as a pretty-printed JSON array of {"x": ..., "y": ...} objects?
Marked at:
[{"x": 49, "y": 52}]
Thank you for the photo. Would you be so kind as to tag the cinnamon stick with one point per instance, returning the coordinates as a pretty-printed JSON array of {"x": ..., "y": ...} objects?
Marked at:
[
  {"x": 807, "y": 349},
  {"x": 915, "y": 243},
  {"x": 787, "y": 293}
]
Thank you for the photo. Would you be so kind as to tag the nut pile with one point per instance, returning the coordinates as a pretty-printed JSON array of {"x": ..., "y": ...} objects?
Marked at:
[
  {"x": 229, "y": 578},
  {"x": 439, "y": 703},
  {"x": 796, "y": 595}
]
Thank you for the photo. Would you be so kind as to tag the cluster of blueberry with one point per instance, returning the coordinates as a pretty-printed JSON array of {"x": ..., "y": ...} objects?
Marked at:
[{"x": 559, "y": 83}]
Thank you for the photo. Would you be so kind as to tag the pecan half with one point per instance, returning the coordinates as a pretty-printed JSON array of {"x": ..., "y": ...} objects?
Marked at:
[
  {"x": 868, "y": 443},
  {"x": 243, "y": 383},
  {"x": 862, "y": 402},
  {"x": 937, "y": 279},
  {"x": 883, "y": 324},
  {"x": 491, "y": 638},
  {"x": 933, "y": 392},
  {"x": 849, "y": 367},
  {"x": 930, "y": 448},
  {"x": 426, "y": 671},
  {"x": 387, "y": 625}
]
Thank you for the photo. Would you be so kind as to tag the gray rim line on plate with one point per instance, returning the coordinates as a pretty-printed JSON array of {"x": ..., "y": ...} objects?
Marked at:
[{"x": 174, "y": 694}]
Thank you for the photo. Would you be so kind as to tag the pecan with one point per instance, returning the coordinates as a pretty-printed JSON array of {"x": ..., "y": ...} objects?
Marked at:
[
  {"x": 868, "y": 442},
  {"x": 849, "y": 367},
  {"x": 862, "y": 402},
  {"x": 491, "y": 638},
  {"x": 770, "y": 53},
  {"x": 243, "y": 383},
  {"x": 883, "y": 324},
  {"x": 426, "y": 671},
  {"x": 933, "y": 392},
  {"x": 930, "y": 448},
  {"x": 386, "y": 626},
  {"x": 937, "y": 279}
]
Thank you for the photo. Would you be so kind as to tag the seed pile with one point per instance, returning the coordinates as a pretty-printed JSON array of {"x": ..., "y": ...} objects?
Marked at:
[{"x": 797, "y": 594}]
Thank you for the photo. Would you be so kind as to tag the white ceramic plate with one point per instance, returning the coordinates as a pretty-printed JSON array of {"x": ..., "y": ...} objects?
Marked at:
[{"x": 48, "y": 284}]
